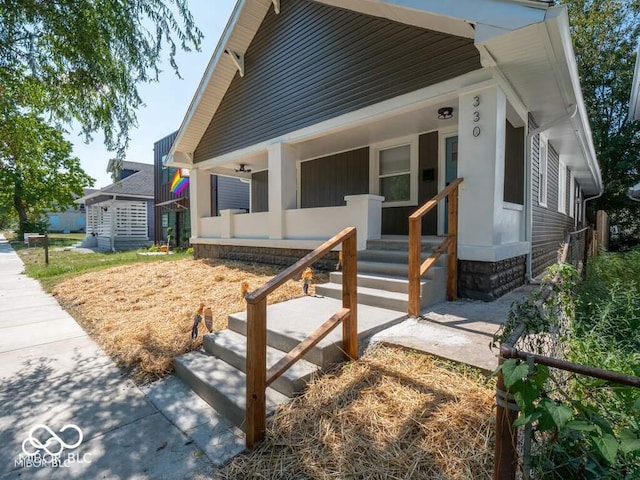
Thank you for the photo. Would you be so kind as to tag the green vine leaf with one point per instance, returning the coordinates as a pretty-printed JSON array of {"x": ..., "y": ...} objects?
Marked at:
[
  {"x": 512, "y": 372},
  {"x": 607, "y": 446},
  {"x": 629, "y": 445},
  {"x": 559, "y": 413}
]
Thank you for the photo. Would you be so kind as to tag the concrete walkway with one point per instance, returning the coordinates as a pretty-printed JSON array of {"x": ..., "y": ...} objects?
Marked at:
[
  {"x": 460, "y": 331},
  {"x": 52, "y": 374}
]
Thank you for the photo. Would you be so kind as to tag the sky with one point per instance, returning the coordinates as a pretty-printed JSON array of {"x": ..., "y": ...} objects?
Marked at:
[{"x": 166, "y": 101}]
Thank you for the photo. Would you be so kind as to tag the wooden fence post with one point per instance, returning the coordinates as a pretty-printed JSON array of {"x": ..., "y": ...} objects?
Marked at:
[
  {"x": 46, "y": 248},
  {"x": 452, "y": 251},
  {"x": 415, "y": 249},
  {"x": 350, "y": 296},
  {"x": 256, "y": 372}
]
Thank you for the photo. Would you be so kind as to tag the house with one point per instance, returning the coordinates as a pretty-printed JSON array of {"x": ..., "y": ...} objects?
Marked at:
[
  {"x": 356, "y": 112},
  {"x": 72, "y": 219},
  {"x": 120, "y": 215},
  {"x": 172, "y": 207}
]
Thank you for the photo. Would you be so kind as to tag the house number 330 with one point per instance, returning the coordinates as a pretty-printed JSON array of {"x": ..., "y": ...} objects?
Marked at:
[{"x": 476, "y": 116}]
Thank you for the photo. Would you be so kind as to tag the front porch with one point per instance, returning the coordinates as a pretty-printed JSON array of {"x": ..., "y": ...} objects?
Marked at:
[{"x": 117, "y": 224}]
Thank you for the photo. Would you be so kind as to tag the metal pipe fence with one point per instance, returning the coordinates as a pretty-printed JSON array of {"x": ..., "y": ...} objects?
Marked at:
[{"x": 523, "y": 451}]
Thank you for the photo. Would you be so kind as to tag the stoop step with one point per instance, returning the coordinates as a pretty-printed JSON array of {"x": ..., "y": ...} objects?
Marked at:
[
  {"x": 220, "y": 385},
  {"x": 231, "y": 347}
]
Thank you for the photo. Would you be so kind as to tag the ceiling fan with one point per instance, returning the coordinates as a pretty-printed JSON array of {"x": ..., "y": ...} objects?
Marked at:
[{"x": 243, "y": 168}]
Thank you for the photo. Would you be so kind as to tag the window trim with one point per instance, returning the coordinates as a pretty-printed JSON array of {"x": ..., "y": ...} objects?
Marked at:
[
  {"x": 572, "y": 195},
  {"x": 543, "y": 177},
  {"x": 562, "y": 188},
  {"x": 374, "y": 169}
]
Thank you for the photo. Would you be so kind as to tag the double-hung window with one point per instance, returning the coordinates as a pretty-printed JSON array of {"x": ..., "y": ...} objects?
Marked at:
[
  {"x": 543, "y": 162},
  {"x": 395, "y": 173}
]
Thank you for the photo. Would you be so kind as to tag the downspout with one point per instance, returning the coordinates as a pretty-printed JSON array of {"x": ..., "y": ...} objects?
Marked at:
[
  {"x": 528, "y": 169},
  {"x": 112, "y": 228}
]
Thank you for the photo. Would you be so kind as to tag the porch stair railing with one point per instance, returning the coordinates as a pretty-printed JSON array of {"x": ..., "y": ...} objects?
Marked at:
[
  {"x": 449, "y": 244},
  {"x": 258, "y": 378}
]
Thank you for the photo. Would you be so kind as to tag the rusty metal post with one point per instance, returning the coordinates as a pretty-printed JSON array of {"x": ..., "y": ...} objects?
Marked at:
[
  {"x": 506, "y": 457},
  {"x": 46, "y": 249}
]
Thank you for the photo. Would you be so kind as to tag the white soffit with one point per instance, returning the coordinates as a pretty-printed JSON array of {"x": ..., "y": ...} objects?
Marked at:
[
  {"x": 237, "y": 36},
  {"x": 634, "y": 101},
  {"x": 451, "y": 16},
  {"x": 539, "y": 63}
]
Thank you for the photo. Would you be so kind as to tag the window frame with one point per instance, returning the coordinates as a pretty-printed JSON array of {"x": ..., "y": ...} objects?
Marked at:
[
  {"x": 543, "y": 176},
  {"x": 562, "y": 188},
  {"x": 374, "y": 169}
]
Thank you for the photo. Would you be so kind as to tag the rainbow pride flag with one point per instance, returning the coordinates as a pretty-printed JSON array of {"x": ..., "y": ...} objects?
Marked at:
[{"x": 180, "y": 181}]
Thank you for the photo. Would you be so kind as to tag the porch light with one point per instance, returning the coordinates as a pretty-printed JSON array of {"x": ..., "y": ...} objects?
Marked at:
[{"x": 445, "y": 113}]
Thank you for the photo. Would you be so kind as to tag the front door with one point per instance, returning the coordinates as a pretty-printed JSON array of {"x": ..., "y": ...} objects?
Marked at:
[{"x": 451, "y": 172}]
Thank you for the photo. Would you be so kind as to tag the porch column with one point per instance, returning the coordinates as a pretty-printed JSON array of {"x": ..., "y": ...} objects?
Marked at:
[
  {"x": 481, "y": 150},
  {"x": 282, "y": 187},
  {"x": 200, "y": 195}
]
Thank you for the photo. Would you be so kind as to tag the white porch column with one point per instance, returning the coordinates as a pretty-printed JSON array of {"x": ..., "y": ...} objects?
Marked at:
[
  {"x": 481, "y": 150},
  {"x": 282, "y": 187},
  {"x": 200, "y": 195}
]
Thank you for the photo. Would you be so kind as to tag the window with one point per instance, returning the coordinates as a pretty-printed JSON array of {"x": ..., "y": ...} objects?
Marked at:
[
  {"x": 572, "y": 195},
  {"x": 395, "y": 173},
  {"x": 542, "y": 170},
  {"x": 562, "y": 188}
]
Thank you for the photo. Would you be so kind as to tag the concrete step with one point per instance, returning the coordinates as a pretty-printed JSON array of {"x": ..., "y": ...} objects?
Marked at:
[
  {"x": 384, "y": 268},
  {"x": 220, "y": 385},
  {"x": 232, "y": 348},
  {"x": 395, "y": 256},
  {"x": 288, "y": 323},
  {"x": 402, "y": 243},
  {"x": 368, "y": 296},
  {"x": 390, "y": 283}
]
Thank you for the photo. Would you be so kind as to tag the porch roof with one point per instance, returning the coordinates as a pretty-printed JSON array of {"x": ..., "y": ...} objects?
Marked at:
[{"x": 457, "y": 18}]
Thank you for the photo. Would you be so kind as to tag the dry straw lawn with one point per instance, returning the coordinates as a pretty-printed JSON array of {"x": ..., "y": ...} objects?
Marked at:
[
  {"x": 392, "y": 415},
  {"x": 141, "y": 314}
]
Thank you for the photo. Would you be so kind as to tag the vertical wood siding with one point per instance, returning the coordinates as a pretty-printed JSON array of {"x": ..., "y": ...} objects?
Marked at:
[
  {"x": 395, "y": 220},
  {"x": 313, "y": 62},
  {"x": 232, "y": 193},
  {"x": 325, "y": 182},
  {"x": 160, "y": 188},
  {"x": 260, "y": 192},
  {"x": 549, "y": 225},
  {"x": 514, "y": 165}
]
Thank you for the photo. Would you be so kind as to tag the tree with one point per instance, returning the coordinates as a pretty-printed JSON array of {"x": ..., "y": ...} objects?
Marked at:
[
  {"x": 605, "y": 37},
  {"x": 37, "y": 171},
  {"x": 82, "y": 60}
]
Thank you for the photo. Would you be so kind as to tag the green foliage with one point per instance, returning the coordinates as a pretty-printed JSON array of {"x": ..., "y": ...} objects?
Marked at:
[
  {"x": 583, "y": 427},
  {"x": 79, "y": 60},
  {"x": 605, "y": 36},
  {"x": 37, "y": 169}
]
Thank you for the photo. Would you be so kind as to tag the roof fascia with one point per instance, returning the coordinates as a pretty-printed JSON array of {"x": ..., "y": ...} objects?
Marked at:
[
  {"x": 566, "y": 68},
  {"x": 208, "y": 74}
]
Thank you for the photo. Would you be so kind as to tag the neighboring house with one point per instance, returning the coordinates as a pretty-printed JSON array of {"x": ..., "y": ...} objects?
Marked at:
[
  {"x": 355, "y": 112},
  {"x": 120, "y": 216},
  {"x": 172, "y": 208},
  {"x": 73, "y": 219}
]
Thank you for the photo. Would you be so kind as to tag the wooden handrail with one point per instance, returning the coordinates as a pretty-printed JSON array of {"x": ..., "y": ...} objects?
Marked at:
[
  {"x": 450, "y": 244},
  {"x": 257, "y": 376},
  {"x": 424, "y": 209}
]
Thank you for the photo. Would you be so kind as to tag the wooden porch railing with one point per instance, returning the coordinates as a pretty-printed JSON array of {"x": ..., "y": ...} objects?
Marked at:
[
  {"x": 450, "y": 245},
  {"x": 258, "y": 378}
]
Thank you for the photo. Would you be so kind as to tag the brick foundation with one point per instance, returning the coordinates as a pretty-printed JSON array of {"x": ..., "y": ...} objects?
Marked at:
[
  {"x": 490, "y": 280},
  {"x": 280, "y": 257}
]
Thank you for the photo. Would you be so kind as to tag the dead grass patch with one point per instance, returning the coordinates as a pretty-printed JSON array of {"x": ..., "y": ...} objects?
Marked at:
[
  {"x": 141, "y": 314},
  {"x": 392, "y": 415}
]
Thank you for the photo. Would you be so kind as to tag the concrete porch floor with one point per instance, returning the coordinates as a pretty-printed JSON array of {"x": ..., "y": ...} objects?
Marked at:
[{"x": 460, "y": 331}]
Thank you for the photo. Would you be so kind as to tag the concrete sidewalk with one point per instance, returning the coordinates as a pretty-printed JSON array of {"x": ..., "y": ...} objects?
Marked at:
[{"x": 53, "y": 374}]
